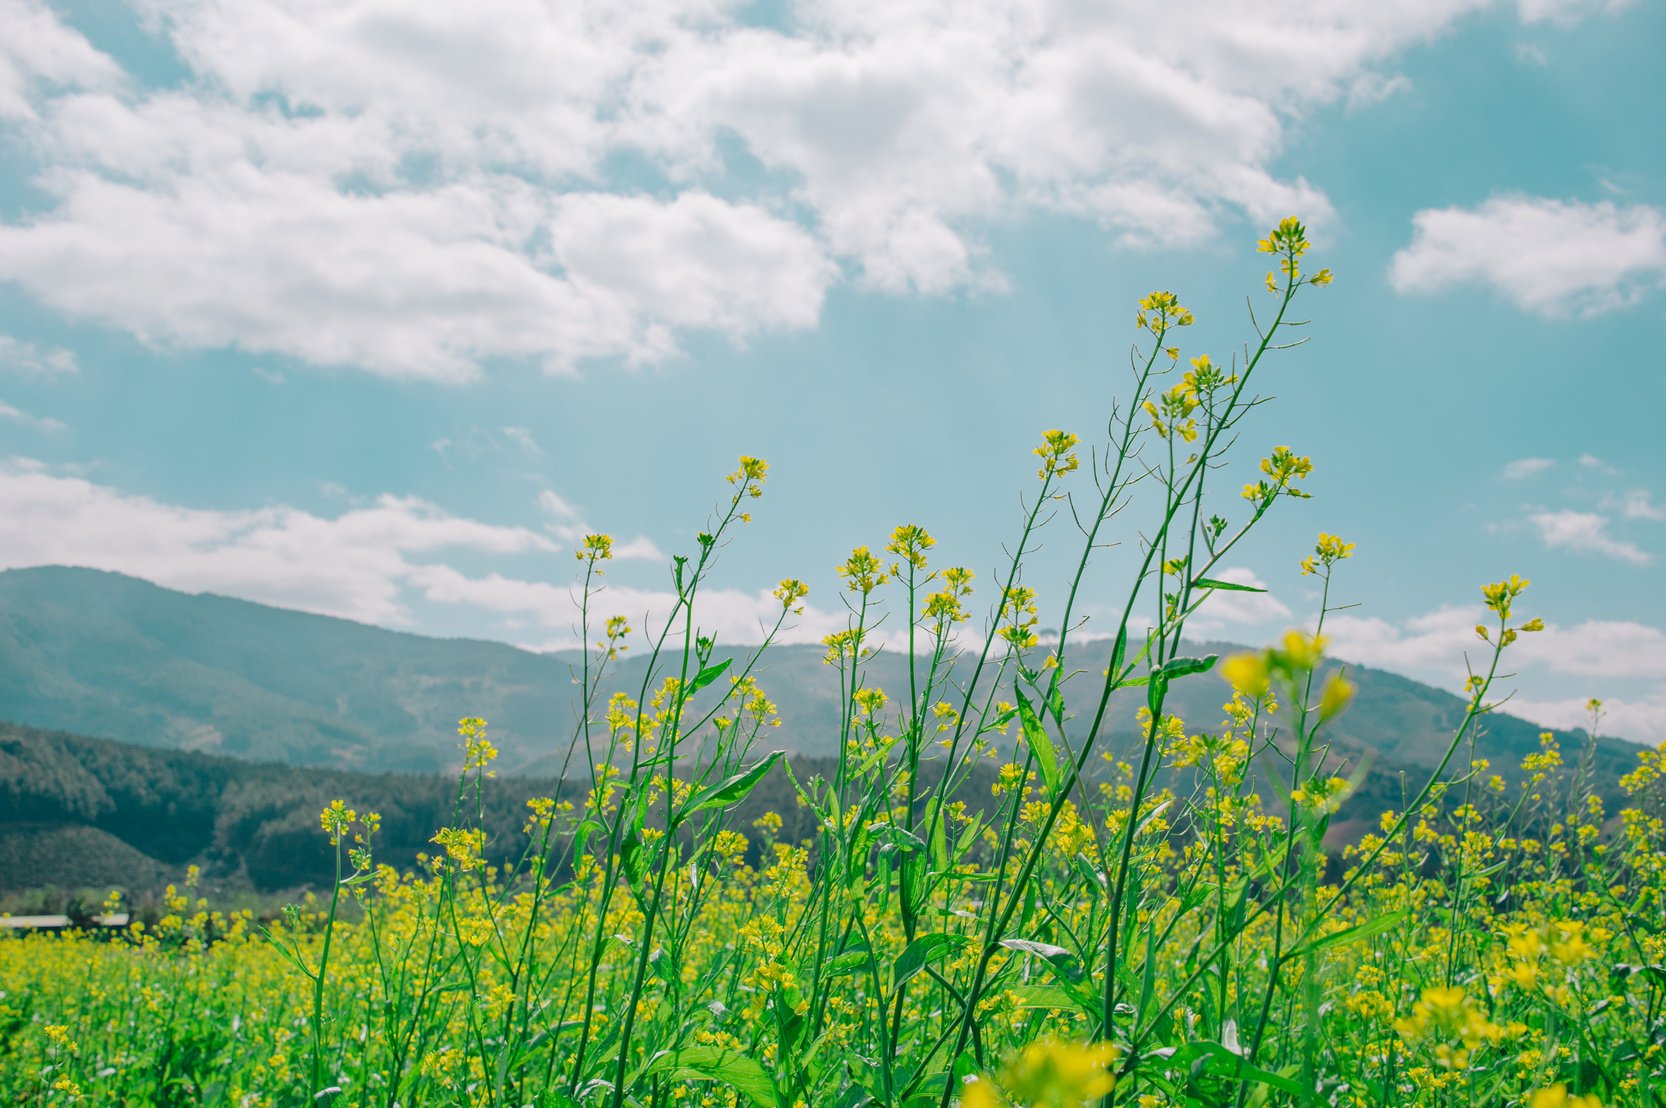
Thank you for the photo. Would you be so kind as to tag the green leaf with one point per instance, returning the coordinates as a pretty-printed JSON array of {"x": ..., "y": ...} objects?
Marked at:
[
  {"x": 1064, "y": 965},
  {"x": 1224, "y": 586},
  {"x": 1357, "y": 933},
  {"x": 582, "y": 833},
  {"x": 1041, "y": 746},
  {"x": 708, "y": 675},
  {"x": 1176, "y": 668},
  {"x": 1235, "y": 1065},
  {"x": 889, "y": 835},
  {"x": 1030, "y": 946},
  {"x": 1055, "y": 697},
  {"x": 1045, "y": 996},
  {"x": 1118, "y": 650},
  {"x": 851, "y": 961},
  {"x": 727, "y": 1067},
  {"x": 630, "y": 857},
  {"x": 730, "y": 790},
  {"x": 925, "y": 950},
  {"x": 939, "y": 835}
]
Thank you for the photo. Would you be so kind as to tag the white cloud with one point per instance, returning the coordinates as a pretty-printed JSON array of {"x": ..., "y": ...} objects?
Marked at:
[
  {"x": 419, "y": 284},
  {"x": 1639, "y": 504},
  {"x": 1374, "y": 88},
  {"x": 1599, "y": 648},
  {"x": 1587, "y": 533},
  {"x": 423, "y": 189},
  {"x": 1551, "y": 257},
  {"x": 1565, "y": 12},
  {"x": 567, "y": 524},
  {"x": 1436, "y": 641},
  {"x": 1224, "y": 609},
  {"x": 19, "y": 356},
  {"x": 694, "y": 262},
  {"x": 1600, "y": 654},
  {"x": 523, "y": 438},
  {"x": 38, "y": 52},
  {"x": 39, "y": 423},
  {"x": 1522, "y": 468},
  {"x": 354, "y": 565},
  {"x": 1640, "y": 719},
  {"x": 732, "y": 615},
  {"x": 369, "y": 563}
]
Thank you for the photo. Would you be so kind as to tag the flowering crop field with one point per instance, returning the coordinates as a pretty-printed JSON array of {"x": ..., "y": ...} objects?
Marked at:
[{"x": 992, "y": 910}]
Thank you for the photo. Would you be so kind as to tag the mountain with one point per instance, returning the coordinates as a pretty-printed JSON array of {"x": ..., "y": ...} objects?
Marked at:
[
  {"x": 90, "y": 814},
  {"x": 103, "y": 654},
  {"x": 237, "y": 722}
]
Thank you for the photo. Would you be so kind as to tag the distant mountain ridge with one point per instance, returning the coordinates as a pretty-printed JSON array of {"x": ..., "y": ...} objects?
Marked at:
[{"x": 107, "y": 655}]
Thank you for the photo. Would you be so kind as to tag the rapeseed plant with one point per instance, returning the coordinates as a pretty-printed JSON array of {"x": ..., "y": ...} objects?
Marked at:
[{"x": 996, "y": 903}]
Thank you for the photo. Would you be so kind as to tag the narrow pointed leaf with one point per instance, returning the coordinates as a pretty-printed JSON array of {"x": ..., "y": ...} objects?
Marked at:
[
  {"x": 731, "y": 790},
  {"x": 925, "y": 950},
  {"x": 1040, "y": 744},
  {"x": 1224, "y": 586},
  {"x": 708, "y": 675}
]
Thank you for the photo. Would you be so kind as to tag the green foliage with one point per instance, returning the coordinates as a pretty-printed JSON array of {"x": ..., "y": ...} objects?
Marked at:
[{"x": 961, "y": 914}]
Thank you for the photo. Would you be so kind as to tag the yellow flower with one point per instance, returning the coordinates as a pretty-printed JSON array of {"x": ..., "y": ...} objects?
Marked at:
[
  {"x": 336, "y": 818},
  {"x": 1499, "y": 594},
  {"x": 749, "y": 477},
  {"x": 862, "y": 571},
  {"x": 1246, "y": 673},
  {"x": 910, "y": 543},
  {"x": 478, "y": 751},
  {"x": 1057, "y": 454},
  {"x": 1337, "y": 694},
  {"x": 1557, "y": 1096},
  {"x": 1048, "y": 1074},
  {"x": 595, "y": 548},
  {"x": 1300, "y": 653}
]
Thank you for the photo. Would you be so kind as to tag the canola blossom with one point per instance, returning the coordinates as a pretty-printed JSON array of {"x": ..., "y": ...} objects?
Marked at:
[{"x": 998, "y": 903}]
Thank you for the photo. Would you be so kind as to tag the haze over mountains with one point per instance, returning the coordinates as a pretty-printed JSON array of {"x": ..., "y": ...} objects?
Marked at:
[
  {"x": 234, "y": 722},
  {"x": 115, "y": 657}
]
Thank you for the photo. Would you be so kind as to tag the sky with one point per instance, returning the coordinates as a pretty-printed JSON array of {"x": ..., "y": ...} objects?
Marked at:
[{"x": 374, "y": 307}]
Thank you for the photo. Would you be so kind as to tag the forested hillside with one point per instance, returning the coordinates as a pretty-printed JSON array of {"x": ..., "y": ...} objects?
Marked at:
[{"x": 77, "y": 812}]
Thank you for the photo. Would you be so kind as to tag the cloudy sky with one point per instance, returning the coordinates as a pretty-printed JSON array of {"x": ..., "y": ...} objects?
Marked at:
[{"x": 370, "y": 307}]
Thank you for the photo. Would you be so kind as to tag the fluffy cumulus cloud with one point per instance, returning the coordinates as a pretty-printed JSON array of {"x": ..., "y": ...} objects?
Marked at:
[
  {"x": 39, "y": 55},
  {"x": 1642, "y": 719},
  {"x": 420, "y": 190},
  {"x": 1225, "y": 611},
  {"x": 353, "y": 565},
  {"x": 370, "y": 563},
  {"x": 1587, "y": 533},
  {"x": 1601, "y": 656},
  {"x": 1551, "y": 257}
]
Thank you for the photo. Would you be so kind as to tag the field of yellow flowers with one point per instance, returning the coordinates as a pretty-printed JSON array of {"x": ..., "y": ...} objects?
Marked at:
[{"x": 991, "y": 910}]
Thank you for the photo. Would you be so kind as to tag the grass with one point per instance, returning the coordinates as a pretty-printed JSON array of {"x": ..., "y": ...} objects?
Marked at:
[{"x": 1164, "y": 928}]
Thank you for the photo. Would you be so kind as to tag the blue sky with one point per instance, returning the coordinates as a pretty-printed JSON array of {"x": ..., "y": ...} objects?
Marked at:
[{"x": 370, "y": 307}]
